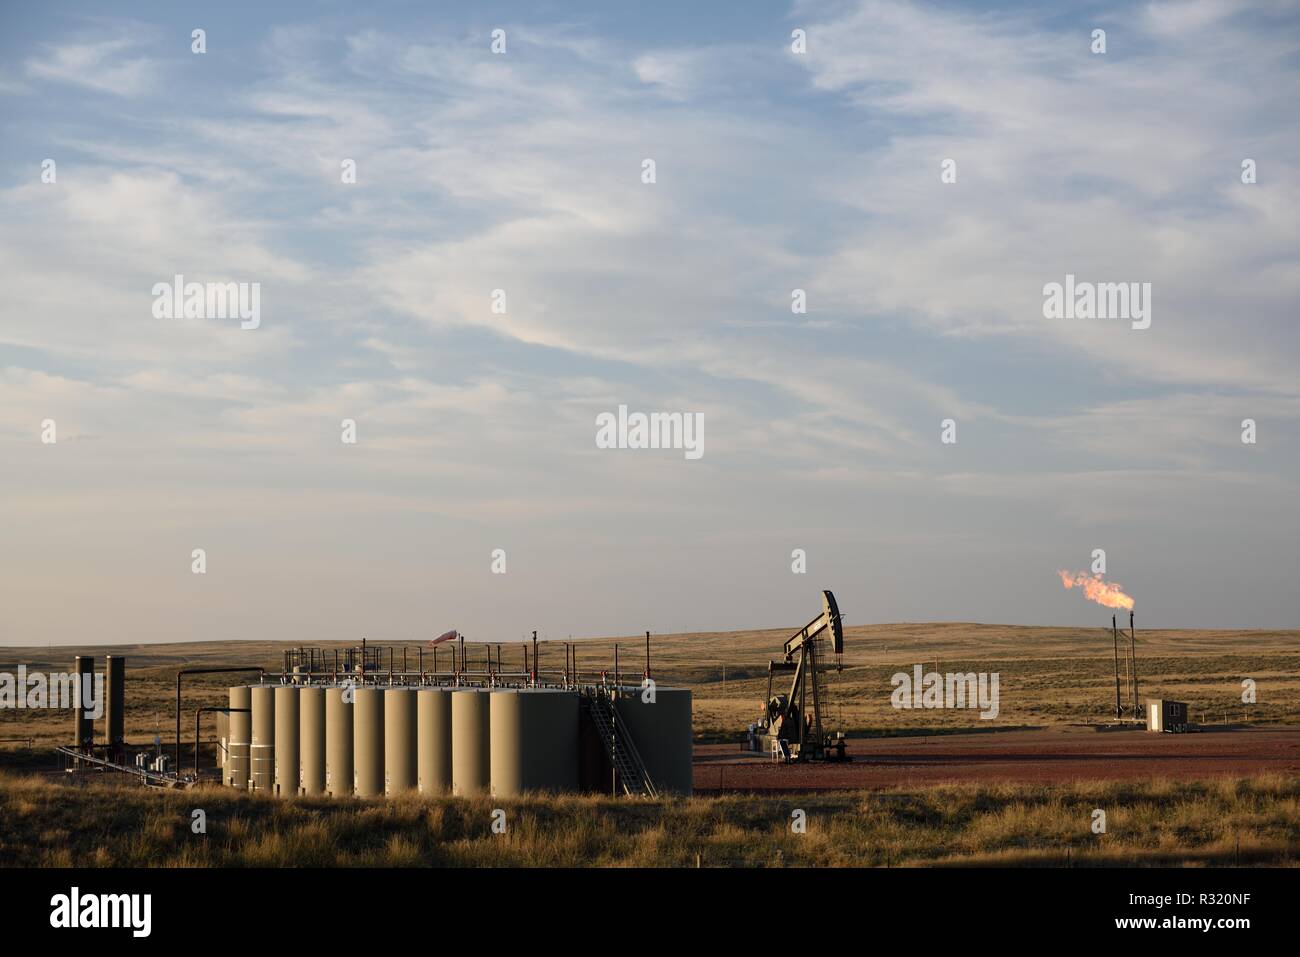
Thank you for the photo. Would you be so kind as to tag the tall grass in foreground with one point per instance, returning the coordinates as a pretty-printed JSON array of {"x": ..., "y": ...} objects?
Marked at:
[{"x": 101, "y": 823}]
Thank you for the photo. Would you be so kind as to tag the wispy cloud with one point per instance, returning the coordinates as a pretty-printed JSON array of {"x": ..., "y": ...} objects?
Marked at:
[
  {"x": 775, "y": 172},
  {"x": 106, "y": 66}
]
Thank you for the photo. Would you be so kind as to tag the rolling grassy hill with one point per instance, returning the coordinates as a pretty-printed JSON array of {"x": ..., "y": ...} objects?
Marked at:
[{"x": 1047, "y": 675}]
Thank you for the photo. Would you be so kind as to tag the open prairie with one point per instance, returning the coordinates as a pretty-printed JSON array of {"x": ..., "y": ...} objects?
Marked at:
[
  {"x": 1048, "y": 677},
  {"x": 926, "y": 787}
]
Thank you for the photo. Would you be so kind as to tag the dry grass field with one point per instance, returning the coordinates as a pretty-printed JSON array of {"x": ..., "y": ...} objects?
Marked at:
[{"x": 1248, "y": 822}]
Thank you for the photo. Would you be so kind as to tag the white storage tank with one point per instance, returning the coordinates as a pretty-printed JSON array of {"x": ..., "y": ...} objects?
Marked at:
[
  {"x": 241, "y": 733},
  {"x": 399, "y": 740},
  {"x": 534, "y": 741},
  {"x": 470, "y": 742},
  {"x": 368, "y": 741},
  {"x": 262, "y": 752},
  {"x": 311, "y": 741},
  {"x": 433, "y": 740},
  {"x": 287, "y": 741},
  {"x": 338, "y": 741},
  {"x": 662, "y": 733}
]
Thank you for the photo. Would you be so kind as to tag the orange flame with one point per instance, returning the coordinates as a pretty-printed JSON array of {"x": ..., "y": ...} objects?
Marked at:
[{"x": 1105, "y": 593}]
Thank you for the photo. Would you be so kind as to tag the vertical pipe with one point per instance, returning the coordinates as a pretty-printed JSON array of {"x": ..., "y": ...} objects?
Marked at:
[
  {"x": 83, "y": 727},
  {"x": 1114, "y": 635},
  {"x": 115, "y": 714},
  {"x": 1128, "y": 675},
  {"x": 647, "y": 654},
  {"x": 197, "y": 715},
  {"x": 1133, "y": 650}
]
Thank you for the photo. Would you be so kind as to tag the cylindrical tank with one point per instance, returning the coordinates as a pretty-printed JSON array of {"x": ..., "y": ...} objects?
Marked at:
[
  {"x": 470, "y": 742},
  {"x": 661, "y": 731},
  {"x": 399, "y": 740},
  {"x": 287, "y": 735},
  {"x": 262, "y": 753},
  {"x": 115, "y": 707},
  {"x": 83, "y": 726},
  {"x": 241, "y": 732},
  {"x": 534, "y": 741},
  {"x": 338, "y": 741},
  {"x": 311, "y": 740},
  {"x": 368, "y": 741},
  {"x": 433, "y": 735}
]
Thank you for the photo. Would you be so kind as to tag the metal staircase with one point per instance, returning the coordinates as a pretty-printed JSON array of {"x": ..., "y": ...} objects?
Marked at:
[{"x": 619, "y": 745}]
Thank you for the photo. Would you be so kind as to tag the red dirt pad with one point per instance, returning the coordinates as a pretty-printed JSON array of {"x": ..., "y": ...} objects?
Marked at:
[{"x": 1037, "y": 757}]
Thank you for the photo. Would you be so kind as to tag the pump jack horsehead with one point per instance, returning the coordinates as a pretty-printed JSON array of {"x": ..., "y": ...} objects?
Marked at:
[{"x": 789, "y": 728}]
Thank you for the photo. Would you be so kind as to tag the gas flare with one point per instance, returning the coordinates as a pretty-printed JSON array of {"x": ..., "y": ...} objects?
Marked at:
[{"x": 1110, "y": 594}]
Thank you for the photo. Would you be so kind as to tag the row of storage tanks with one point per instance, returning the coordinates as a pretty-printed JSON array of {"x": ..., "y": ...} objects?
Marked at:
[{"x": 290, "y": 739}]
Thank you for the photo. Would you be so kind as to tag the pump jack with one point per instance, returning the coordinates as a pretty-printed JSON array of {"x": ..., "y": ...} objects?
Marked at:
[{"x": 788, "y": 729}]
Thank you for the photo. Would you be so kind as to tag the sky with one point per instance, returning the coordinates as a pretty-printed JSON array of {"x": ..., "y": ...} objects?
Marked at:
[{"x": 776, "y": 169}]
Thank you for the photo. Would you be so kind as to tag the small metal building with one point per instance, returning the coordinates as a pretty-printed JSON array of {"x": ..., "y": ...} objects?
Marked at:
[{"x": 1165, "y": 715}]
